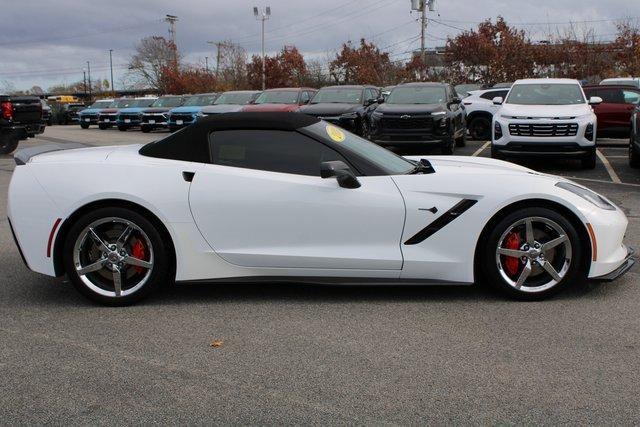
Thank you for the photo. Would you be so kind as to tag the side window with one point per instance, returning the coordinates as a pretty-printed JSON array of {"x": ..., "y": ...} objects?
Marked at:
[
  {"x": 270, "y": 150},
  {"x": 304, "y": 98},
  {"x": 493, "y": 93},
  {"x": 613, "y": 96},
  {"x": 631, "y": 97}
]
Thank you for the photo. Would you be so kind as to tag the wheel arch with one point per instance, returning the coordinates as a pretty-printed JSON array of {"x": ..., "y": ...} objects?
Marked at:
[
  {"x": 580, "y": 227},
  {"x": 61, "y": 236},
  {"x": 478, "y": 113}
]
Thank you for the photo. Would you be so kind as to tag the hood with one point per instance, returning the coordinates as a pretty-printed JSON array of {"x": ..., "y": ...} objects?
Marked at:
[
  {"x": 278, "y": 108},
  {"x": 156, "y": 109},
  {"x": 409, "y": 108},
  {"x": 131, "y": 110},
  {"x": 544, "y": 111},
  {"x": 329, "y": 109},
  {"x": 189, "y": 109},
  {"x": 90, "y": 111},
  {"x": 222, "y": 108}
]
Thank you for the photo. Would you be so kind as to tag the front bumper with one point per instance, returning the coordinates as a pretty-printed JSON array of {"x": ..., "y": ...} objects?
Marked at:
[
  {"x": 91, "y": 119},
  {"x": 546, "y": 149},
  {"x": 626, "y": 265},
  {"x": 107, "y": 120},
  {"x": 154, "y": 121}
]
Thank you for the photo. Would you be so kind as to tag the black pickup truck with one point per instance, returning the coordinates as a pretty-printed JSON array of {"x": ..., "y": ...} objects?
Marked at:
[{"x": 20, "y": 118}]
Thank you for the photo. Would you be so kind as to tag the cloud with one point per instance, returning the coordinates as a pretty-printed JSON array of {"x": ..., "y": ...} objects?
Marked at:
[{"x": 45, "y": 42}]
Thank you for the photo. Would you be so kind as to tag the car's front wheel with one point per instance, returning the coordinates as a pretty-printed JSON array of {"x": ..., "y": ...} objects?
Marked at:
[
  {"x": 82, "y": 125},
  {"x": 448, "y": 147},
  {"x": 480, "y": 128},
  {"x": 590, "y": 161},
  {"x": 532, "y": 253},
  {"x": 115, "y": 256}
]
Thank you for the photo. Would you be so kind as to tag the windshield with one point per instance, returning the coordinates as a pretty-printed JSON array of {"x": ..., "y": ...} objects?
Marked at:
[
  {"x": 546, "y": 94},
  {"x": 168, "y": 101},
  {"x": 389, "y": 162},
  {"x": 199, "y": 100},
  {"x": 142, "y": 102},
  {"x": 235, "y": 98},
  {"x": 278, "y": 97},
  {"x": 101, "y": 104},
  {"x": 334, "y": 96},
  {"x": 417, "y": 95}
]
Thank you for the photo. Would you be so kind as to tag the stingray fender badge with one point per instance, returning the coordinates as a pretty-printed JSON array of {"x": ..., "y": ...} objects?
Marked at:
[{"x": 335, "y": 134}]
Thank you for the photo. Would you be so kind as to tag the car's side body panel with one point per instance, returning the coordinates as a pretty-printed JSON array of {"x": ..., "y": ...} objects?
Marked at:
[{"x": 256, "y": 218}]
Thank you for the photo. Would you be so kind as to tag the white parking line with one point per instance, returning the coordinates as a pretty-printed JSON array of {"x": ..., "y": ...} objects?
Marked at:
[
  {"x": 607, "y": 166},
  {"x": 575, "y": 178},
  {"x": 481, "y": 149}
]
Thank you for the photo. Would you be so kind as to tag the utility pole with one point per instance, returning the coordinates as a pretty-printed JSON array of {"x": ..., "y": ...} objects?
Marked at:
[
  {"x": 113, "y": 89},
  {"x": 89, "y": 76},
  {"x": 217, "y": 45},
  {"x": 423, "y": 25},
  {"x": 421, "y": 6},
  {"x": 84, "y": 79},
  {"x": 171, "y": 19},
  {"x": 206, "y": 64},
  {"x": 262, "y": 16}
]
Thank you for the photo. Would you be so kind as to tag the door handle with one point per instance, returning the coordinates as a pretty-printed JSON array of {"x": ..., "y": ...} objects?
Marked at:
[{"x": 188, "y": 176}]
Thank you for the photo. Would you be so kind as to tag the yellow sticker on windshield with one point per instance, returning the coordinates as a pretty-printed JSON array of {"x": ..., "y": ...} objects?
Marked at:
[{"x": 334, "y": 133}]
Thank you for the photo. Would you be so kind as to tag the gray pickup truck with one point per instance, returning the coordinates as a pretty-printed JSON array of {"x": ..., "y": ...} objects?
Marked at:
[{"x": 20, "y": 118}]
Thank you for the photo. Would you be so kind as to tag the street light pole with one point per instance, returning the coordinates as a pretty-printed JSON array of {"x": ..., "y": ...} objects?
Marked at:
[
  {"x": 262, "y": 16},
  {"x": 113, "y": 89},
  {"x": 89, "y": 77},
  {"x": 84, "y": 79},
  {"x": 206, "y": 64}
]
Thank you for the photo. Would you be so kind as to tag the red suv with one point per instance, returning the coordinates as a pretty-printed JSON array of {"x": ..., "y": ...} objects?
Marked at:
[
  {"x": 618, "y": 103},
  {"x": 286, "y": 99}
]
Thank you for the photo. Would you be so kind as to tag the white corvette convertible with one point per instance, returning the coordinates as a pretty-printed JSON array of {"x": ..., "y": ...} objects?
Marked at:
[{"x": 274, "y": 197}]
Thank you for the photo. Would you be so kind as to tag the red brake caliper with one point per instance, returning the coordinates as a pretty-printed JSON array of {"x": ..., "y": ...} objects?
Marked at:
[
  {"x": 512, "y": 264},
  {"x": 137, "y": 251}
]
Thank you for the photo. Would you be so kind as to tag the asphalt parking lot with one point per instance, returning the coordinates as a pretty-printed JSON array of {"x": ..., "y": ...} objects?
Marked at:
[{"x": 323, "y": 355}]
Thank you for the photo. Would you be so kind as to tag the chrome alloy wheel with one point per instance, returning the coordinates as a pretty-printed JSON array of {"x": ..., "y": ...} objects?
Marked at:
[
  {"x": 113, "y": 257},
  {"x": 533, "y": 254}
]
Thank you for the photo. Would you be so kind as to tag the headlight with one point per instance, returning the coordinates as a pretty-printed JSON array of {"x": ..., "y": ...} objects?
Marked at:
[
  {"x": 439, "y": 113},
  {"x": 349, "y": 116},
  {"x": 587, "y": 194}
]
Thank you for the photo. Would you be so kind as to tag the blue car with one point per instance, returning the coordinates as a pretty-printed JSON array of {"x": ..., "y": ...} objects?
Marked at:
[
  {"x": 89, "y": 116},
  {"x": 131, "y": 116},
  {"x": 189, "y": 112}
]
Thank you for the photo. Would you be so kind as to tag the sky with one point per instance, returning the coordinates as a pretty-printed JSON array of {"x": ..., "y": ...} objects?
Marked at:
[{"x": 47, "y": 42}]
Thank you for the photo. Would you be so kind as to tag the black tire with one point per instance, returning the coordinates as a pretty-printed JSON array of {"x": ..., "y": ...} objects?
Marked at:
[
  {"x": 160, "y": 272},
  {"x": 634, "y": 156},
  {"x": 363, "y": 130},
  {"x": 480, "y": 128},
  {"x": 462, "y": 140},
  {"x": 102, "y": 126},
  {"x": 122, "y": 128},
  {"x": 589, "y": 162},
  {"x": 8, "y": 143},
  {"x": 576, "y": 271},
  {"x": 84, "y": 125},
  {"x": 145, "y": 129},
  {"x": 448, "y": 147},
  {"x": 495, "y": 154}
]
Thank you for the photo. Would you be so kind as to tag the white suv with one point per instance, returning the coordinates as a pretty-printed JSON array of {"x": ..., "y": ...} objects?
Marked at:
[
  {"x": 545, "y": 118},
  {"x": 480, "y": 110}
]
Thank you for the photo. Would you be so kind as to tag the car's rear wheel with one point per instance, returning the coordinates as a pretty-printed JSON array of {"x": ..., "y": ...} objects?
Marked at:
[
  {"x": 480, "y": 128},
  {"x": 532, "y": 253},
  {"x": 115, "y": 256},
  {"x": 8, "y": 143}
]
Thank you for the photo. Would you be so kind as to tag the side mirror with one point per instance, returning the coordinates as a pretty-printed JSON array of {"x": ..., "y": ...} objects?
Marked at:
[
  {"x": 498, "y": 100},
  {"x": 342, "y": 173},
  {"x": 595, "y": 100},
  {"x": 380, "y": 100},
  {"x": 370, "y": 101}
]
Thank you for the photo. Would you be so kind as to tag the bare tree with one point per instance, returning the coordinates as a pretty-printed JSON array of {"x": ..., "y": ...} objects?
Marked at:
[
  {"x": 232, "y": 70},
  {"x": 154, "y": 55}
]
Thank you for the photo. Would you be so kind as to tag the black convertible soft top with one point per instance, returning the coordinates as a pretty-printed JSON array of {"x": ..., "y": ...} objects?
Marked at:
[{"x": 191, "y": 143}]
